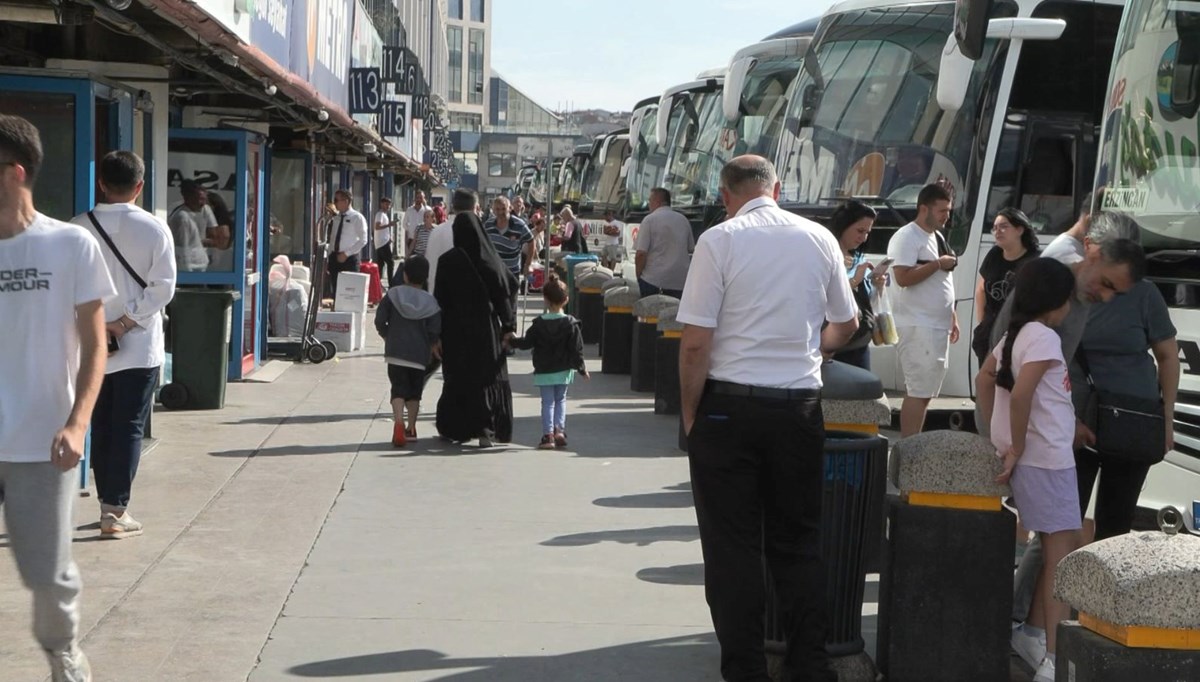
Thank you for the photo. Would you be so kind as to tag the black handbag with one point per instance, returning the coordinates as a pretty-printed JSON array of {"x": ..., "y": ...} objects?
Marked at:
[
  {"x": 1127, "y": 427},
  {"x": 866, "y": 320}
]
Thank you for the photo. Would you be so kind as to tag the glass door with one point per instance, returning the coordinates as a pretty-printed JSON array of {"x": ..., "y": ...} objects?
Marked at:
[{"x": 251, "y": 320}]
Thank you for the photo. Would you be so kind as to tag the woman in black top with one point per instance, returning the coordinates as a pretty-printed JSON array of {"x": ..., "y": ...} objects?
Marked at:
[{"x": 1016, "y": 243}]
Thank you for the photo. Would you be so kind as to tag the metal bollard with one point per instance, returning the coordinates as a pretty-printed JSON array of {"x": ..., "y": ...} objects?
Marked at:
[
  {"x": 645, "y": 336},
  {"x": 618, "y": 330}
]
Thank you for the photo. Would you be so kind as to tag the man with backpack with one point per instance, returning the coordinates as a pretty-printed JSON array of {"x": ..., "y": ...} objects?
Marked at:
[{"x": 140, "y": 256}]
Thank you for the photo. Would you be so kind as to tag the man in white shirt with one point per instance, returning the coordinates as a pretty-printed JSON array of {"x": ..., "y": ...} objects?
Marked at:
[
  {"x": 664, "y": 245},
  {"x": 135, "y": 327},
  {"x": 384, "y": 257},
  {"x": 189, "y": 222},
  {"x": 760, "y": 287},
  {"x": 348, "y": 236},
  {"x": 923, "y": 304},
  {"x": 52, "y": 286},
  {"x": 441, "y": 239},
  {"x": 612, "y": 251},
  {"x": 414, "y": 218}
]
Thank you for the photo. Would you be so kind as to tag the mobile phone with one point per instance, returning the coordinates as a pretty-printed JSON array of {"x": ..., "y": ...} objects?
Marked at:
[
  {"x": 113, "y": 344},
  {"x": 882, "y": 267}
]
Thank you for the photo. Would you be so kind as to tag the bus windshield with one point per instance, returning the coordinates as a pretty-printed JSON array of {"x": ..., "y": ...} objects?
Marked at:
[
  {"x": 696, "y": 123},
  {"x": 878, "y": 131},
  {"x": 647, "y": 159},
  {"x": 1149, "y": 163}
]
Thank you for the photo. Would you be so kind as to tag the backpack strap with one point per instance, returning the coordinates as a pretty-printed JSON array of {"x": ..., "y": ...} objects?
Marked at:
[{"x": 116, "y": 252}]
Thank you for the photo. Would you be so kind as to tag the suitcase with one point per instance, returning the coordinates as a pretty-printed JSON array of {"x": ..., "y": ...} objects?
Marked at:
[{"x": 375, "y": 287}]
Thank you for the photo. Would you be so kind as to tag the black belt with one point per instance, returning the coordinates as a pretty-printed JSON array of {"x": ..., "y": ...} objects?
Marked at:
[{"x": 744, "y": 391}]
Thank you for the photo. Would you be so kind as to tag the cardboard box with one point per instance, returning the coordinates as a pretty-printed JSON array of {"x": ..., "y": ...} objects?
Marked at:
[
  {"x": 361, "y": 322},
  {"x": 340, "y": 328},
  {"x": 351, "y": 293}
]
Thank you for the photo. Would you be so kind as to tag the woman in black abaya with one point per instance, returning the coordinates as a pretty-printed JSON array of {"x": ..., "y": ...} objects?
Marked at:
[{"x": 473, "y": 289}]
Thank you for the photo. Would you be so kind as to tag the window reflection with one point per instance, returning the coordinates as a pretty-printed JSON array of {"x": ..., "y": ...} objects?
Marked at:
[
  {"x": 203, "y": 216},
  {"x": 54, "y": 116},
  {"x": 286, "y": 227}
]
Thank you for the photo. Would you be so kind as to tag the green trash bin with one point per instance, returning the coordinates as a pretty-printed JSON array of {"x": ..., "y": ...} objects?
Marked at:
[{"x": 201, "y": 322}]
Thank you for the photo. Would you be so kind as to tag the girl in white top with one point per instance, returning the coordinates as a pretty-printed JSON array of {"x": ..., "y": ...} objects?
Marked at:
[{"x": 1025, "y": 393}]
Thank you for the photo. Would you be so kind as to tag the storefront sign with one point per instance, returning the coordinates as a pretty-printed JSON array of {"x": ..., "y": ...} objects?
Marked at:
[
  {"x": 366, "y": 91},
  {"x": 393, "y": 120},
  {"x": 270, "y": 29},
  {"x": 320, "y": 46}
]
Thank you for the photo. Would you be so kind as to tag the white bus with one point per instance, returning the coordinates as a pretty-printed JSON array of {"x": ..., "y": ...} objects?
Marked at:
[
  {"x": 1149, "y": 167},
  {"x": 1016, "y": 127}
]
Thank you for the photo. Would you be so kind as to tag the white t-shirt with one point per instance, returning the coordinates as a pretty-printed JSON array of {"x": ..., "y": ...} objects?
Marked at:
[
  {"x": 441, "y": 240},
  {"x": 414, "y": 218},
  {"x": 614, "y": 239},
  {"x": 929, "y": 304},
  {"x": 1051, "y": 418},
  {"x": 45, "y": 272},
  {"x": 188, "y": 227},
  {"x": 666, "y": 237},
  {"x": 146, "y": 244},
  {"x": 765, "y": 281},
  {"x": 383, "y": 229},
  {"x": 1065, "y": 249}
]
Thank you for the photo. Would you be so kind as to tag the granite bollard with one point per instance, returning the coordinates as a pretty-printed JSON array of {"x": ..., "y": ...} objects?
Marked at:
[
  {"x": 618, "y": 330},
  {"x": 1138, "y": 598},
  {"x": 645, "y": 337},
  {"x": 948, "y": 563},
  {"x": 590, "y": 304}
]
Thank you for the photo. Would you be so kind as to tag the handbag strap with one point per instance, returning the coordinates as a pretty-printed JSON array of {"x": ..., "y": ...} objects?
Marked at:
[
  {"x": 116, "y": 252},
  {"x": 1081, "y": 358}
]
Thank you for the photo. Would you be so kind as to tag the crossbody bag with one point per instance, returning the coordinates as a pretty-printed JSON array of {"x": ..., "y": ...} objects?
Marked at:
[
  {"x": 128, "y": 268},
  {"x": 1127, "y": 427}
]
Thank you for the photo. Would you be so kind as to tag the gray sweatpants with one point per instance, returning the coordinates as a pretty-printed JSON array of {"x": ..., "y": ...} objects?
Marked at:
[{"x": 36, "y": 500}]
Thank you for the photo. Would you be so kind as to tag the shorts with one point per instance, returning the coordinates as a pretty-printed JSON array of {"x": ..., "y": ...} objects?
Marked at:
[
  {"x": 612, "y": 253},
  {"x": 408, "y": 383},
  {"x": 923, "y": 353},
  {"x": 1046, "y": 499}
]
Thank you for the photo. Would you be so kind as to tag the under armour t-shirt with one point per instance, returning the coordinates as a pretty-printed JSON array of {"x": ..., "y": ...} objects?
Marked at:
[{"x": 45, "y": 272}]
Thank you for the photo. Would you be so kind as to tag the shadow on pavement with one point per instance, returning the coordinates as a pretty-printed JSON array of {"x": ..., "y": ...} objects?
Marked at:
[
  {"x": 309, "y": 418},
  {"x": 286, "y": 450},
  {"x": 683, "y": 574},
  {"x": 677, "y": 500},
  {"x": 641, "y": 537},
  {"x": 677, "y": 659}
]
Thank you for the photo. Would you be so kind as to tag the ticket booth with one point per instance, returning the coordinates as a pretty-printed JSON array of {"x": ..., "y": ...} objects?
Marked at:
[{"x": 222, "y": 244}]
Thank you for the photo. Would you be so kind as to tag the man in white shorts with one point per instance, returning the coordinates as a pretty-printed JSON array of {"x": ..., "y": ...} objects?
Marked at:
[
  {"x": 613, "y": 251},
  {"x": 924, "y": 304}
]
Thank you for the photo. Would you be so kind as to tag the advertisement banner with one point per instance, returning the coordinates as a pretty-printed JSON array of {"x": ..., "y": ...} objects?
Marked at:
[
  {"x": 271, "y": 29},
  {"x": 320, "y": 45}
]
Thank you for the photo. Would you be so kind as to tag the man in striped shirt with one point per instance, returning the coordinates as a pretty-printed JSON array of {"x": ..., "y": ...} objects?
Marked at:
[{"x": 513, "y": 241}]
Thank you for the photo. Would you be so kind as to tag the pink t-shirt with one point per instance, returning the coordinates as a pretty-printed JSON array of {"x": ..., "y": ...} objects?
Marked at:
[{"x": 1048, "y": 445}]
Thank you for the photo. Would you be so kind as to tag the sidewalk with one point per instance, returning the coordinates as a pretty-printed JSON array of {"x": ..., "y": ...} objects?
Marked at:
[{"x": 287, "y": 539}]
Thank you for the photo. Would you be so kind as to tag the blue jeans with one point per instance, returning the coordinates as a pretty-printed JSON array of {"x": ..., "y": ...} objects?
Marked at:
[
  {"x": 118, "y": 421},
  {"x": 554, "y": 408}
]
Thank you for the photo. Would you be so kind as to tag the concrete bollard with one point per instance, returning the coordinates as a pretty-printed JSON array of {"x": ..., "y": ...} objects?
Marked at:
[
  {"x": 590, "y": 304},
  {"x": 645, "y": 337},
  {"x": 946, "y": 588},
  {"x": 1138, "y": 598},
  {"x": 618, "y": 330},
  {"x": 666, "y": 362}
]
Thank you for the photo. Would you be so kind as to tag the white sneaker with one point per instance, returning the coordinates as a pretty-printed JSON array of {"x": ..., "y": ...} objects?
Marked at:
[
  {"x": 69, "y": 666},
  {"x": 117, "y": 527},
  {"x": 1045, "y": 671},
  {"x": 1031, "y": 649}
]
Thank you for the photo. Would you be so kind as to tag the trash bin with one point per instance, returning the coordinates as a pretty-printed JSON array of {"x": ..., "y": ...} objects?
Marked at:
[
  {"x": 618, "y": 330},
  {"x": 569, "y": 264},
  {"x": 201, "y": 322},
  {"x": 590, "y": 302},
  {"x": 666, "y": 362},
  {"x": 645, "y": 338},
  {"x": 855, "y": 482}
]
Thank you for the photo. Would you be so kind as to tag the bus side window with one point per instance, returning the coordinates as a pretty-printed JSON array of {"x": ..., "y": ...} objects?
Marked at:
[{"x": 1046, "y": 184}]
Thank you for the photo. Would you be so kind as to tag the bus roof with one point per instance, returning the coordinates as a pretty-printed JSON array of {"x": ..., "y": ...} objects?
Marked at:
[{"x": 807, "y": 27}]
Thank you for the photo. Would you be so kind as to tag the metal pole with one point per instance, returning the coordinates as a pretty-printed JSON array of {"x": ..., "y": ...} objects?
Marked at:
[{"x": 547, "y": 221}]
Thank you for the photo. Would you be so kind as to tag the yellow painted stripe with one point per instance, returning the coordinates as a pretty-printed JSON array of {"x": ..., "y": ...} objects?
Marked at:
[
  {"x": 672, "y": 333},
  {"x": 620, "y": 309},
  {"x": 869, "y": 429},
  {"x": 1142, "y": 637},
  {"x": 648, "y": 320},
  {"x": 589, "y": 290},
  {"x": 954, "y": 501}
]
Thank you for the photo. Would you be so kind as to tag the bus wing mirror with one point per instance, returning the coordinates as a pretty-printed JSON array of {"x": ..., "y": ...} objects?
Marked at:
[
  {"x": 810, "y": 101},
  {"x": 735, "y": 82},
  {"x": 662, "y": 120},
  {"x": 954, "y": 73}
]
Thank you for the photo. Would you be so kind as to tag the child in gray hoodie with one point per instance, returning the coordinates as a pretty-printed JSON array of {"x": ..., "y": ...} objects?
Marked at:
[{"x": 410, "y": 322}]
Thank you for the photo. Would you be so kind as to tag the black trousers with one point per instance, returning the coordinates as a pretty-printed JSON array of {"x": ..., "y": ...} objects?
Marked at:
[
  {"x": 118, "y": 423},
  {"x": 757, "y": 467},
  {"x": 351, "y": 265},
  {"x": 387, "y": 263},
  {"x": 1117, "y": 495}
]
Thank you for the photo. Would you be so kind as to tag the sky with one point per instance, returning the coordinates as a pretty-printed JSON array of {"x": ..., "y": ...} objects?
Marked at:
[{"x": 609, "y": 54}]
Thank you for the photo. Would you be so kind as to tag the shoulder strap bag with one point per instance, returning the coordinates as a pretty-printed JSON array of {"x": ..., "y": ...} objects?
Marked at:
[
  {"x": 1127, "y": 427},
  {"x": 128, "y": 268}
]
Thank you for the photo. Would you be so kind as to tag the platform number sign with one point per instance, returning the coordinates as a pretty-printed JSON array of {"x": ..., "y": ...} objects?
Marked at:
[
  {"x": 366, "y": 91},
  {"x": 393, "y": 64},
  {"x": 393, "y": 121},
  {"x": 420, "y": 107}
]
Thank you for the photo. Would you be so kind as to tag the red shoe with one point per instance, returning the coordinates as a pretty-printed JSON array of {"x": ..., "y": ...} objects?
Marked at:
[{"x": 398, "y": 438}]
